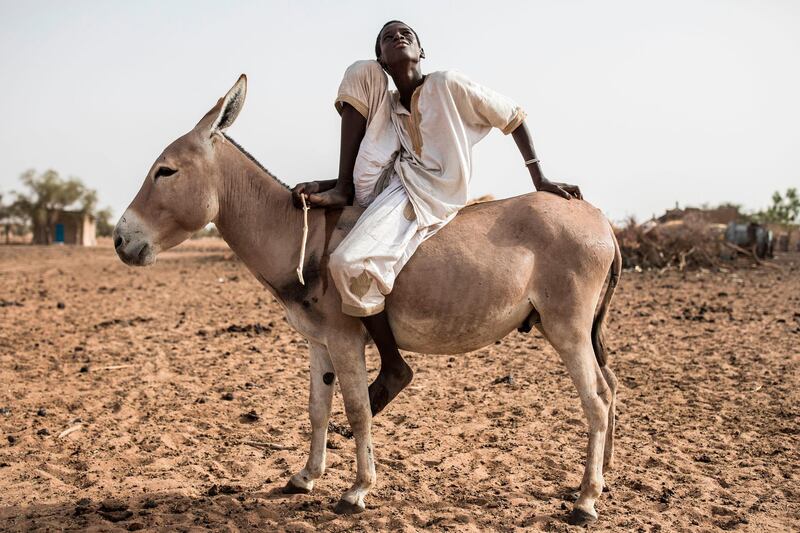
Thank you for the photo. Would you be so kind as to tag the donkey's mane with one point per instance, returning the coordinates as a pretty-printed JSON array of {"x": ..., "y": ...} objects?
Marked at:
[{"x": 254, "y": 160}]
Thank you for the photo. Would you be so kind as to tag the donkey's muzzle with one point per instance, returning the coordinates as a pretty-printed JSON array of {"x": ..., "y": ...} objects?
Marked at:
[{"x": 133, "y": 251}]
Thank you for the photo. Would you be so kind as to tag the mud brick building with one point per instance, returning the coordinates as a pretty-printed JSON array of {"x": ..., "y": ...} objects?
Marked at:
[{"x": 66, "y": 227}]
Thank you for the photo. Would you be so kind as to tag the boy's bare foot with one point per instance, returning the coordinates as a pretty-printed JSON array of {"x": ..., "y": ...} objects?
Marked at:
[
  {"x": 388, "y": 384},
  {"x": 395, "y": 374}
]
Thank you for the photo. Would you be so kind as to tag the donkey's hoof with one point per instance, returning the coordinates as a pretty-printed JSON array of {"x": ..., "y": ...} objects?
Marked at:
[
  {"x": 345, "y": 507},
  {"x": 291, "y": 488},
  {"x": 579, "y": 517}
]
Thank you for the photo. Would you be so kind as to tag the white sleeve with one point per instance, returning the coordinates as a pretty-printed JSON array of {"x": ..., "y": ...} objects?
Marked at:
[
  {"x": 482, "y": 106},
  {"x": 363, "y": 86}
]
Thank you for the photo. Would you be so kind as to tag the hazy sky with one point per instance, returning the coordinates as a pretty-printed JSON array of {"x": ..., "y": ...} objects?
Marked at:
[{"x": 642, "y": 103}]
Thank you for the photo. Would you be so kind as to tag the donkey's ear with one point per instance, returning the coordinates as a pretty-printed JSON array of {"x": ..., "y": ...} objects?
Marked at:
[{"x": 227, "y": 109}]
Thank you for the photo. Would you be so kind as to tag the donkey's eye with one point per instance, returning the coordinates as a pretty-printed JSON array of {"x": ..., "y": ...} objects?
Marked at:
[{"x": 164, "y": 172}]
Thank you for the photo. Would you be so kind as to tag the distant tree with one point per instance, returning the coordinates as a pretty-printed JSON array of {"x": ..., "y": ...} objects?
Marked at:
[
  {"x": 47, "y": 194},
  {"x": 88, "y": 202},
  {"x": 785, "y": 209},
  {"x": 105, "y": 226},
  {"x": 5, "y": 219},
  {"x": 12, "y": 220}
]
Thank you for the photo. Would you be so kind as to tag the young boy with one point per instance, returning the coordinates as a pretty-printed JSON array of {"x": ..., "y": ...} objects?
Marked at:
[{"x": 406, "y": 156}]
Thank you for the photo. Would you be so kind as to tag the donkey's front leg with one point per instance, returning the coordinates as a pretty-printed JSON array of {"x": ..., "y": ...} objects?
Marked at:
[
  {"x": 319, "y": 409},
  {"x": 348, "y": 360}
]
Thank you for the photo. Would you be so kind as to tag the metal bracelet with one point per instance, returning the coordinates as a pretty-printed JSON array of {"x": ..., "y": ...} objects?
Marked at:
[{"x": 531, "y": 161}]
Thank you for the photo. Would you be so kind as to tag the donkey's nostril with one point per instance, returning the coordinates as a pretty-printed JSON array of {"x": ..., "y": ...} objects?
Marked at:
[
  {"x": 117, "y": 242},
  {"x": 143, "y": 252}
]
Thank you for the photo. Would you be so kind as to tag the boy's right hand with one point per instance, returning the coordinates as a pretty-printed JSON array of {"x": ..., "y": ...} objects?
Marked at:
[
  {"x": 308, "y": 188},
  {"x": 314, "y": 198}
]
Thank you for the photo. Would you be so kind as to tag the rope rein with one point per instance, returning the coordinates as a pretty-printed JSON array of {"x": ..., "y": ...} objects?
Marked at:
[{"x": 303, "y": 242}]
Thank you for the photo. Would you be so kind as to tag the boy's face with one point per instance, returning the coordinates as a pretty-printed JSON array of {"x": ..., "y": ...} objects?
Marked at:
[{"x": 398, "y": 44}]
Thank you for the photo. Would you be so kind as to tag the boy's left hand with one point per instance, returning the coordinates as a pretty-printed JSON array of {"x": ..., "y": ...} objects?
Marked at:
[{"x": 565, "y": 190}]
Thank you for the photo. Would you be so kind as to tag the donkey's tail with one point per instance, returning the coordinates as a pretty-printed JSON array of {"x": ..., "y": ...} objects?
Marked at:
[{"x": 597, "y": 326}]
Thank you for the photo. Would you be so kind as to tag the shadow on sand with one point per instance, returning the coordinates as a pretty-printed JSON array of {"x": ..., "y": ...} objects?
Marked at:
[{"x": 223, "y": 508}]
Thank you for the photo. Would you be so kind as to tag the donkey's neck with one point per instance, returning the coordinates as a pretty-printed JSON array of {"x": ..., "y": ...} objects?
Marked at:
[{"x": 261, "y": 225}]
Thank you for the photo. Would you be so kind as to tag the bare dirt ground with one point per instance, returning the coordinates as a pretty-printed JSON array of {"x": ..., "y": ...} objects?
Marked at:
[{"x": 172, "y": 373}]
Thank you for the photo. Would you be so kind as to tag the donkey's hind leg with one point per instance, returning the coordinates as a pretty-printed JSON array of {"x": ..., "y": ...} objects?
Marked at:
[
  {"x": 608, "y": 450},
  {"x": 571, "y": 337},
  {"x": 319, "y": 410}
]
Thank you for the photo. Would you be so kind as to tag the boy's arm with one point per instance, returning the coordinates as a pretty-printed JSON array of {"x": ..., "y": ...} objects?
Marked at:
[
  {"x": 485, "y": 107},
  {"x": 338, "y": 192},
  {"x": 523, "y": 139}
]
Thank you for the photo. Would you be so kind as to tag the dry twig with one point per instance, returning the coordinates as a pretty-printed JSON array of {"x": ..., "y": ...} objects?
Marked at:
[
  {"x": 268, "y": 445},
  {"x": 67, "y": 431},
  {"x": 113, "y": 367}
]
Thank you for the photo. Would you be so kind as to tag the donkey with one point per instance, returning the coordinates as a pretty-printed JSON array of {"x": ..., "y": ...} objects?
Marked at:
[{"x": 533, "y": 260}]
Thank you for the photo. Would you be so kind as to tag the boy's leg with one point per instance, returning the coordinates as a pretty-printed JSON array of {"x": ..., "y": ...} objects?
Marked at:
[
  {"x": 364, "y": 267},
  {"x": 395, "y": 374}
]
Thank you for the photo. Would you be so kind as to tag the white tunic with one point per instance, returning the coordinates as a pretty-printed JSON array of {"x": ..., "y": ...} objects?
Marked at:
[
  {"x": 428, "y": 147},
  {"x": 411, "y": 173}
]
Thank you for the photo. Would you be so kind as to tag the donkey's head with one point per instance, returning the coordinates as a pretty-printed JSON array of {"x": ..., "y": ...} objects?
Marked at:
[{"x": 180, "y": 193}]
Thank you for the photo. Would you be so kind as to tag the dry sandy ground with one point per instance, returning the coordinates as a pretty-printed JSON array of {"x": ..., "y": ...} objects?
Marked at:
[{"x": 171, "y": 371}]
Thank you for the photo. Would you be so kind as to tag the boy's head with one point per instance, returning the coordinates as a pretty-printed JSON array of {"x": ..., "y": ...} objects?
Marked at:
[{"x": 397, "y": 41}]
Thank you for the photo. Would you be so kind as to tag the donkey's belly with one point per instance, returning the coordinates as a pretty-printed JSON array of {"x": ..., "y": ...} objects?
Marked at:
[
  {"x": 455, "y": 299},
  {"x": 455, "y": 333}
]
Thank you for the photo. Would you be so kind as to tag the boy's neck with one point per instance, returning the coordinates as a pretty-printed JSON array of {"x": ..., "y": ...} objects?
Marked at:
[{"x": 407, "y": 77}]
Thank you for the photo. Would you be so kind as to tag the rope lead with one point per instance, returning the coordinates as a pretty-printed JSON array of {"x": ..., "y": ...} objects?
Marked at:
[{"x": 303, "y": 243}]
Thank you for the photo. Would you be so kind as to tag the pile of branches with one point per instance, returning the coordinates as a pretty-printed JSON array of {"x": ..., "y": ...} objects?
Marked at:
[{"x": 691, "y": 242}]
